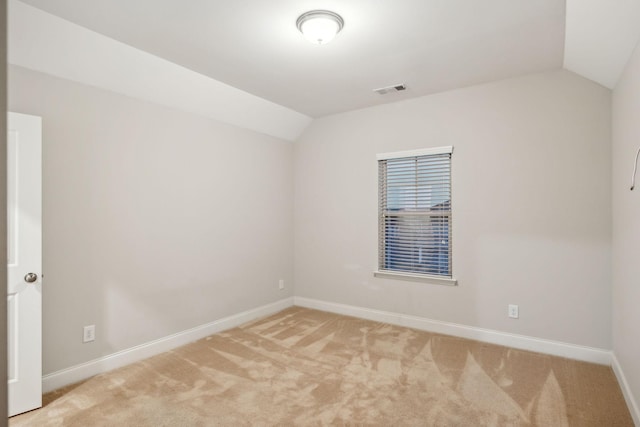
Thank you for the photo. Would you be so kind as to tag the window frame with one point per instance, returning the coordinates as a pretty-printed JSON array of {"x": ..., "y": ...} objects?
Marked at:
[{"x": 407, "y": 274}]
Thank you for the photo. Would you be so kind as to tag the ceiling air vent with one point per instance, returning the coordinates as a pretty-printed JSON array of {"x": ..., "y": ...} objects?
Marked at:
[{"x": 390, "y": 89}]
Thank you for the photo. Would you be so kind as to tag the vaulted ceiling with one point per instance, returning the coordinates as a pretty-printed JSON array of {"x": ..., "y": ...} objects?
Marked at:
[
  {"x": 254, "y": 45},
  {"x": 429, "y": 45}
]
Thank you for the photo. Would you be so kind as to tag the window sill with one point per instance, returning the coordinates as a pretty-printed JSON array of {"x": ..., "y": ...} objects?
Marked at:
[{"x": 424, "y": 278}]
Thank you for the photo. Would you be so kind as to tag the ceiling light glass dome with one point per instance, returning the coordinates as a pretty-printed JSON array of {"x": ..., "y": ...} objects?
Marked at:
[{"x": 320, "y": 26}]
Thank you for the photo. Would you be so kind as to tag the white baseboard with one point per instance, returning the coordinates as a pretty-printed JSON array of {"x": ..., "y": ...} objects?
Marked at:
[
  {"x": 523, "y": 342},
  {"x": 632, "y": 404},
  {"x": 86, "y": 370}
]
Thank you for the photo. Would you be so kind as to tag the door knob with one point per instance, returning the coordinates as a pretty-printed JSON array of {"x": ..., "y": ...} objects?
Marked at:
[{"x": 30, "y": 277}]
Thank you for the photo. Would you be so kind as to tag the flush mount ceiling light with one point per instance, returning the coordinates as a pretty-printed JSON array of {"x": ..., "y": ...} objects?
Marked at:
[{"x": 320, "y": 26}]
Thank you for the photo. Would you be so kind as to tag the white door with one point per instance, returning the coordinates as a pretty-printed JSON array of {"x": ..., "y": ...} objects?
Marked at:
[{"x": 24, "y": 286}]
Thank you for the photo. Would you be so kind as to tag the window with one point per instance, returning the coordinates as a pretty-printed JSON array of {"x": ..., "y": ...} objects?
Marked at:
[{"x": 414, "y": 240}]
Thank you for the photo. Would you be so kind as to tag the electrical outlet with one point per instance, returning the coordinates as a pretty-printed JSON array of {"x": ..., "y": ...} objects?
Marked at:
[
  {"x": 513, "y": 311},
  {"x": 281, "y": 284},
  {"x": 89, "y": 333}
]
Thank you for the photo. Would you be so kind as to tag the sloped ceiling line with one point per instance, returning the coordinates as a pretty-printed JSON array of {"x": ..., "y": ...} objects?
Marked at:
[
  {"x": 43, "y": 42},
  {"x": 600, "y": 37}
]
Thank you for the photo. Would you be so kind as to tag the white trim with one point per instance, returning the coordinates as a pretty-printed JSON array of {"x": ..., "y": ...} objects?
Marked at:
[
  {"x": 47, "y": 43},
  {"x": 424, "y": 278},
  {"x": 414, "y": 153},
  {"x": 116, "y": 360},
  {"x": 556, "y": 348},
  {"x": 632, "y": 404}
]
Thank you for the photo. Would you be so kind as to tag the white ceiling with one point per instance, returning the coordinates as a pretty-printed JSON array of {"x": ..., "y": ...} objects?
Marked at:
[
  {"x": 43, "y": 42},
  {"x": 243, "y": 62},
  {"x": 600, "y": 37},
  {"x": 253, "y": 45}
]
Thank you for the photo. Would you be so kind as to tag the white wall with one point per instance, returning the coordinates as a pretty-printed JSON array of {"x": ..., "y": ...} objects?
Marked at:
[
  {"x": 626, "y": 224},
  {"x": 155, "y": 220},
  {"x": 531, "y": 206}
]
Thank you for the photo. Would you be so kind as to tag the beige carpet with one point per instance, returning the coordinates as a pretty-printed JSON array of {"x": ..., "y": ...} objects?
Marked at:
[{"x": 306, "y": 367}]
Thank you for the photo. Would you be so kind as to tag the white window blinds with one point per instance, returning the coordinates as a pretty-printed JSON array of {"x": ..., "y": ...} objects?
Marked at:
[{"x": 415, "y": 212}]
